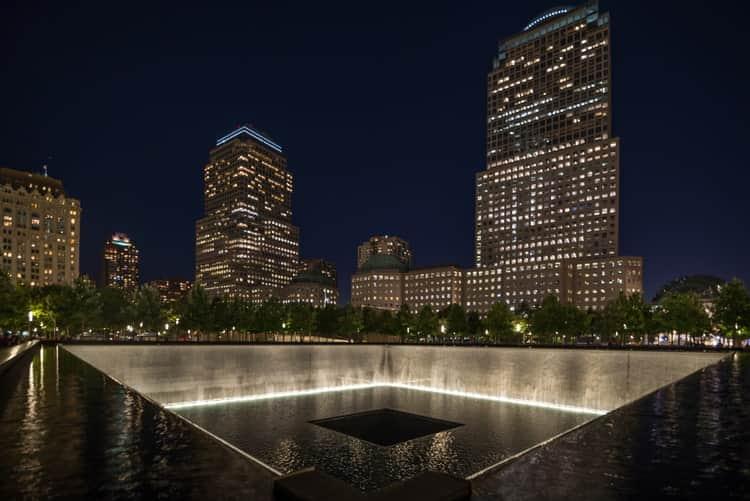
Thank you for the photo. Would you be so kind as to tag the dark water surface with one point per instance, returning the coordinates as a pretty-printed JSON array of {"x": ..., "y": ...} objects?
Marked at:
[
  {"x": 689, "y": 440},
  {"x": 66, "y": 431},
  {"x": 279, "y": 433}
]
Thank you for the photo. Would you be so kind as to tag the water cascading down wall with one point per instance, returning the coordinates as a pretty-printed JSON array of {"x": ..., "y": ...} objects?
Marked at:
[{"x": 599, "y": 380}]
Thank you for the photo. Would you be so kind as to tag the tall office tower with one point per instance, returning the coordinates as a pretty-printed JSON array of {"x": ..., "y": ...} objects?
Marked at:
[
  {"x": 550, "y": 192},
  {"x": 246, "y": 245},
  {"x": 40, "y": 229},
  {"x": 384, "y": 245},
  {"x": 120, "y": 264}
]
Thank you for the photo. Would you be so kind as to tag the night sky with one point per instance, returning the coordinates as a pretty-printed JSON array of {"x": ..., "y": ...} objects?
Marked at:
[{"x": 381, "y": 109}]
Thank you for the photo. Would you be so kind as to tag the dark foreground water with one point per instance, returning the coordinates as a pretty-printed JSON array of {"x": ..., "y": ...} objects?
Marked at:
[
  {"x": 66, "y": 431},
  {"x": 279, "y": 433},
  {"x": 689, "y": 440}
]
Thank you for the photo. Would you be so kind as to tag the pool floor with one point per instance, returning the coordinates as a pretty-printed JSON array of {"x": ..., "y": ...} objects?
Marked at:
[{"x": 279, "y": 433}]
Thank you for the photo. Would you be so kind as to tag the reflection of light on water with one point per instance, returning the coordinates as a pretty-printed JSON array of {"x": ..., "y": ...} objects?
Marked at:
[
  {"x": 266, "y": 396},
  {"x": 507, "y": 400},
  {"x": 287, "y": 455},
  {"x": 441, "y": 451},
  {"x": 330, "y": 389}
]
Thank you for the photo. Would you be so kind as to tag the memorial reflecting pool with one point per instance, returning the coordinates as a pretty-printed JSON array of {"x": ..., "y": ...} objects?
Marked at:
[
  {"x": 67, "y": 431},
  {"x": 278, "y": 432}
]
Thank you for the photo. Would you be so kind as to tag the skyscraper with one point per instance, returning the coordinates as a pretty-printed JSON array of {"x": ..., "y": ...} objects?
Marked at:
[
  {"x": 549, "y": 196},
  {"x": 120, "y": 266},
  {"x": 384, "y": 245},
  {"x": 246, "y": 244},
  {"x": 40, "y": 229}
]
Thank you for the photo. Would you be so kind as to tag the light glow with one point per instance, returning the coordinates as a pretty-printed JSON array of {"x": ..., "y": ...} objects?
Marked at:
[
  {"x": 252, "y": 133},
  {"x": 267, "y": 396},
  {"x": 404, "y": 386}
]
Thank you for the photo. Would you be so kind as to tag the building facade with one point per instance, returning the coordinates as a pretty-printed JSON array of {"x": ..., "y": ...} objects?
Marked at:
[
  {"x": 592, "y": 283},
  {"x": 121, "y": 263},
  {"x": 327, "y": 268},
  {"x": 40, "y": 229},
  {"x": 550, "y": 191},
  {"x": 386, "y": 283},
  {"x": 437, "y": 286},
  {"x": 315, "y": 284},
  {"x": 379, "y": 283},
  {"x": 246, "y": 244},
  {"x": 483, "y": 288},
  {"x": 384, "y": 245},
  {"x": 171, "y": 290}
]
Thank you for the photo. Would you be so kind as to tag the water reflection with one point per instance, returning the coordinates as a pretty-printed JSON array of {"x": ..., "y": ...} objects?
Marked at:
[
  {"x": 686, "y": 441},
  {"x": 66, "y": 431},
  {"x": 491, "y": 431}
]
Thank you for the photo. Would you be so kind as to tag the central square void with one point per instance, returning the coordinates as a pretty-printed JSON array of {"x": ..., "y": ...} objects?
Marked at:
[{"x": 386, "y": 426}]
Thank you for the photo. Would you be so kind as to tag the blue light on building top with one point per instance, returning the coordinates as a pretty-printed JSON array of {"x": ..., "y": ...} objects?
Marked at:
[{"x": 252, "y": 133}]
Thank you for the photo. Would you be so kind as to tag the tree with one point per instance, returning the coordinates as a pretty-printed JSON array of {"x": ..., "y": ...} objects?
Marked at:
[
  {"x": 351, "y": 323},
  {"x": 388, "y": 323},
  {"x": 427, "y": 322},
  {"x": 81, "y": 306},
  {"x": 326, "y": 321},
  {"x": 684, "y": 314},
  {"x": 301, "y": 318},
  {"x": 148, "y": 309},
  {"x": 195, "y": 310},
  {"x": 499, "y": 323},
  {"x": 546, "y": 320},
  {"x": 455, "y": 317},
  {"x": 116, "y": 310},
  {"x": 404, "y": 322},
  {"x": 573, "y": 322},
  {"x": 371, "y": 320},
  {"x": 12, "y": 305},
  {"x": 623, "y": 316},
  {"x": 473, "y": 325},
  {"x": 731, "y": 311},
  {"x": 704, "y": 286},
  {"x": 271, "y": 316}
]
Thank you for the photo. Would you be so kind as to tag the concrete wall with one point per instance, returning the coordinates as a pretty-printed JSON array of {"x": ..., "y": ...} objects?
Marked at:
[
  {"x": 584, "y": 378},
  {"x": 170, "y": 374},
  {"x": 595, "y": 379}
]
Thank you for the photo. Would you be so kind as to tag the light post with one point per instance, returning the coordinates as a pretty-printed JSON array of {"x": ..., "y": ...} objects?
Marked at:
[{"x": 31, "y": 319}]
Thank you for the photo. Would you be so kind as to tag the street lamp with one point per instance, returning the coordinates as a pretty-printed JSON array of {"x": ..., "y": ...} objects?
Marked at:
[{"x": 31, "y": 319}]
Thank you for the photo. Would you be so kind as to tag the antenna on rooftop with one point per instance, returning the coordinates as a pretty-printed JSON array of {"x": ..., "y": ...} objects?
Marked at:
[{"x": 44, "y": 167}]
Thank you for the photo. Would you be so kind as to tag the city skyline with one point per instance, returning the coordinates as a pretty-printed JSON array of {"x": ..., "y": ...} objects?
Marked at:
[{"x": 657, "y": 222}]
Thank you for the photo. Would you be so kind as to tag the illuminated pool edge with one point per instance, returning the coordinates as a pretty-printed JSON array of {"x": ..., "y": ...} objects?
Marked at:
[{"x": 354, "y": 387}]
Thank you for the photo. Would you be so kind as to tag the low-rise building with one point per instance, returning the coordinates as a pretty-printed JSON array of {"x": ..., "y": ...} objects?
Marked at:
[
  {"x": 437, "y": 286},
  {"x": 379, "y": 283},
  {"x": 592, "y": 283},
  {"x": 315, "y": 284},
  {"x": 171, "y": 290}
]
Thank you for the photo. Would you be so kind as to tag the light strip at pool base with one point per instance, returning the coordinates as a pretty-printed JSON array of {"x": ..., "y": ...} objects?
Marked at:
[{"x": 353, "y": 387}]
